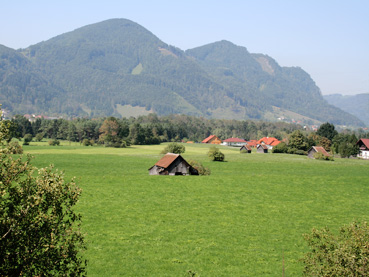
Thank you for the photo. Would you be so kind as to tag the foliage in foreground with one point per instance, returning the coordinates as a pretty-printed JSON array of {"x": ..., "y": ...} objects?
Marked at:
[
  {"x": 39, "y": 231},
  {"x": 345, "y": 254},
  {"x": 174, "y": 148}
]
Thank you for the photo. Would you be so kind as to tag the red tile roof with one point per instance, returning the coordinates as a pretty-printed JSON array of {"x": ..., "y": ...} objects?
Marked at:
[
  {"x": 365, "y": 141},
  {"x": 269, "y": 141},
  {"x": 252, "y": 142},
  {"x": 321, "y": 149},
  {"x": 234, "y": 140},
  {"x": 167, "y": 160},
  {"x": 248, "y": 147},
  {"x": 209, "y": 138}
]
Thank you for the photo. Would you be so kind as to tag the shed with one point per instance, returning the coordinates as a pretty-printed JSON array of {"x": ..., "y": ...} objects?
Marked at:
[
  {"x": 262, "y": 148},
  {"x": 172, "y": 164},
  {"x": 246, "y": 147},
  {"x": 364, "y": 148},
  {"x": 317, "y": 149}
]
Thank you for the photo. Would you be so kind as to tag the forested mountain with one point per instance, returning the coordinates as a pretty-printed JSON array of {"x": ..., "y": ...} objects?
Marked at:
[
  {"x": 99, "y": 69},
  {"x": 357, "y": 105}
]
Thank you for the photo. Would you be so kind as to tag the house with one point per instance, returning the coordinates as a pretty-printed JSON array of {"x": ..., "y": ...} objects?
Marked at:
[
  {"x": 247, "y": 149},
  {"x": 270, "y": 142},
  {"x": 364, "y": 148},
  {"x": 262, "y": 148},
  {"x": 234, "y": 142},
  {"x": 172, "y": 164},
  {"x": 252, "y": 143},
  {"x": 213, "y": 139},
  {"x": 317, "y": 149}
]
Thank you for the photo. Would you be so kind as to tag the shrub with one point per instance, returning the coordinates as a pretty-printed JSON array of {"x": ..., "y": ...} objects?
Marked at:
[
  {"x": 214, "y": 154},
  {"x": 243, "y": 151},
  {"x": 300, "y": 152},
  {"x": 39, "y": 136},
  {"x": 320, "y": 156},
  {"x": 86, "y": 142},
  {"x": 54, "y": 142},
  {"x": 199, "y": 167},
  {"x": 345, "y": 254},
  {"x": 280, "y": 148},
  {"x": 27, "y": 139},
  {"x": 174, "y": 148},
  {"x": 13, "y": 148}
]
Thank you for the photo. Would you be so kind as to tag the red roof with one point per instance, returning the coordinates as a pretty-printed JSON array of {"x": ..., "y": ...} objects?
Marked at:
[
  {"x": 269, "y": 141},
  {"x": 248, "y": 147},
  {"x": 365, "y": 141},
  {"x": 252, "y": 142},
  {"x": 321, "y": 149},
  {"x": 209, "y": 138},
  {"x": 167, "y": 160},
  {"x": 234, "y": 140}
]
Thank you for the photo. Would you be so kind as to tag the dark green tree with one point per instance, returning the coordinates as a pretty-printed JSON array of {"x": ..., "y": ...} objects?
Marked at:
[{"x": 327, "y": 130}]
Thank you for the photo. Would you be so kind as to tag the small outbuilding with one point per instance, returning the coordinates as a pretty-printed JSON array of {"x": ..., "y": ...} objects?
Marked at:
[
  {"x": 246, "y": 148},
  {"x": 317, "y": 149},
  {"x": 262, "y": 148},
  {"x": 172, "y": 164}
]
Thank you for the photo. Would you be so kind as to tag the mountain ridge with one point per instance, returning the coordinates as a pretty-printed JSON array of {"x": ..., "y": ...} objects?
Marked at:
[{"x": 95, "y": 69}]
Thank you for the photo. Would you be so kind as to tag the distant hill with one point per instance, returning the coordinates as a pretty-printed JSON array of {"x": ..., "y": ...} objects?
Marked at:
[
  {"x": 357, "y": 105},
  {"x": 113, "y": 66}
]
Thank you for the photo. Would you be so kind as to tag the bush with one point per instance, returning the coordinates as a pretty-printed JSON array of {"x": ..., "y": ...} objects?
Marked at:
[
  {"x": 174, "y": 148},
  {"x": 244, "y": 151},
  {"x": 39, "y": 136},
  {"x": 214, "y": 154},
  {"x": 320, "y": 156},
  {"x": 54, "y": 142},
  {"x": 27, "y": 139},
  {"x": 280, "y": 148},
  {"x": 86, "y": 142},
  {"x": 345, "y": 254},
  {"x": 13, "y": 148},
  {"x": 199, "y": 167}
]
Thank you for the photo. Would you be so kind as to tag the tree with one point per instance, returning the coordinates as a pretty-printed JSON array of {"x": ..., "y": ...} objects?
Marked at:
[
  {"x": 174, "y": 147},
  {"x": 27, "y": 139},
  {"x": 327, "y": 130},
  {"x": 344, "y": 254},
  {"x": 214, "y": 154},
  {"x": 297, "y": 141},
  {"x": 39, "y": 230}
]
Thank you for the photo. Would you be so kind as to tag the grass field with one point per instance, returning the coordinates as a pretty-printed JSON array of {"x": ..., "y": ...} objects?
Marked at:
[{"x": 245, "y": 219}]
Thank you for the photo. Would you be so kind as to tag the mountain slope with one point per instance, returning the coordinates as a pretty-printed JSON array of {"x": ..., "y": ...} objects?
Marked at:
[
  {"x": 260, "y": 77},
  {"x": 357, "y": 105},
  {"x": 98, "y": 69}
]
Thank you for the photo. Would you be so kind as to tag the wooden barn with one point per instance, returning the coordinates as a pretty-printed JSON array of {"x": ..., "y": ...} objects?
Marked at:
[
  {"x": 262, "y": 148},
  {"x": 317, "y": 149},
  {"x": 247, "y": 149},
  {"x": 172, "y": 164},
  {"x": 213, "y": 139},
  {"x": 364, "y": 148}
]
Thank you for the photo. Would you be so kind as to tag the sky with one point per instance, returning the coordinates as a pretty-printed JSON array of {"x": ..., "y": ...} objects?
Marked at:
[{"x": 329, "y": 39}]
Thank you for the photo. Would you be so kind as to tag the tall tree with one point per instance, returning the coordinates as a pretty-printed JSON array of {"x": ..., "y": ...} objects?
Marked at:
[{"x": 327, "y": 130}]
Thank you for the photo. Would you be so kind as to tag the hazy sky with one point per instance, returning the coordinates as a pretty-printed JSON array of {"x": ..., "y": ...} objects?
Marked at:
[{"x": 327, "y": 38}]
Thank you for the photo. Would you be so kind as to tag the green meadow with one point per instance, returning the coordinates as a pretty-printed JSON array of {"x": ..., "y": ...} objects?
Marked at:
[{"x": 246, "y": 219}]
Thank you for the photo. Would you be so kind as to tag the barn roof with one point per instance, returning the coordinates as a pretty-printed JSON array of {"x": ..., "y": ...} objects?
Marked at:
[
  {"x": 167, "y": 160},
  {"x": 269, "y": 141},
  {"x": 321, "y": 149},
  {"x": 262, "y": 146},
  {"x": 209, "y": 138},
  {"x": 234, "y": 140},
  {"x": 248, "y": 147},
  {"x": 365, "y": 141}
]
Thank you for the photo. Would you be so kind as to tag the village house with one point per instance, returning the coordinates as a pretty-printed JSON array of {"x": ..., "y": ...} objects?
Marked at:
[
  {"x": 262, "y": 148},
  {"x": 269, "y": 142},
  {"x": 317, "y": 149},
  {"x": 364, "y": 148},
  {"x": 172, "y": 164},
  {"x": 246, "y": 149},
  {"x": 234, "y": 142},
  {"x": 213, "y": 139}
]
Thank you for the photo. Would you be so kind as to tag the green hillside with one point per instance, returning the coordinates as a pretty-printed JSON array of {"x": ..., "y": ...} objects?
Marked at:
[
  {"x": 97, "y": 69},
  {"x": 357, "y": 105}
]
